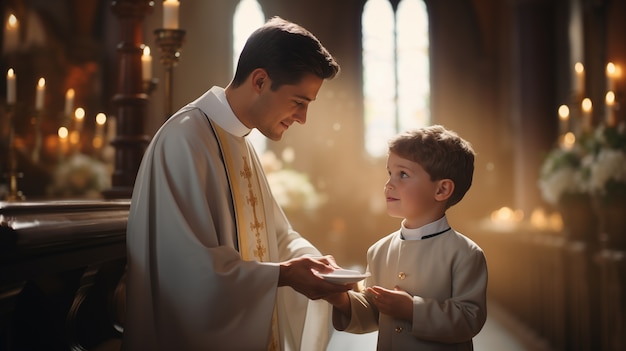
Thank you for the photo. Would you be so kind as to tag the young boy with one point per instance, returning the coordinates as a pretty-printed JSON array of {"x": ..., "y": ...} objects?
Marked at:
[{"x": 427, "y": 288}]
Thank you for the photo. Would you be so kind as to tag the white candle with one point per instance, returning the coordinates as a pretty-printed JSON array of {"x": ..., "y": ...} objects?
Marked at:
[
  {"x": 170, "y": 14},
  {"x": 610, "y": 75},
  {"x": 69, "y": 102},
  {"x": 580, "y": 78},
  {"x": 563, "y": 119},
  {"x": 11, "y": 94},
  {"x": 146, "y": 64},
  {"x": 79, "y": 115},
  {"x": 11, "y": 34},
  {"x": 39, "y": 97},
  {"x": 610, "y": 104},
  {"x": 101, "y": 119},
  {"x": 586, "y": 106}
]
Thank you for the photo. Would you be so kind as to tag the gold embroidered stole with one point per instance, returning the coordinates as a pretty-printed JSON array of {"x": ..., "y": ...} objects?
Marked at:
[{"x": 248, "y": 203}]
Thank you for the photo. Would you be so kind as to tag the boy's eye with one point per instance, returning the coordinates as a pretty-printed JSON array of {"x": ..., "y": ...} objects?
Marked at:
[{"x": 403, "y": 175}]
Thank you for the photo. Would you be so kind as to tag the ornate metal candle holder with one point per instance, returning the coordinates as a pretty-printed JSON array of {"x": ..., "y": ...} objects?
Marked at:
[{"x": 170, "y": 42}]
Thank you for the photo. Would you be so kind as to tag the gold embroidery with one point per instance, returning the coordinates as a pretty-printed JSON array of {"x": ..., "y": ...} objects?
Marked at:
[{"x": 255, "y": 226}]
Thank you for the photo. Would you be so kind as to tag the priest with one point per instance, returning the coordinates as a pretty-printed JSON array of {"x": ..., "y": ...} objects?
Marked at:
[{"x": 213, "y": 263}]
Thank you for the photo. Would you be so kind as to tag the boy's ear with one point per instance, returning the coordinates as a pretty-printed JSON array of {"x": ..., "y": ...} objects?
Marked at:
[{"x": 444, "y": 189}]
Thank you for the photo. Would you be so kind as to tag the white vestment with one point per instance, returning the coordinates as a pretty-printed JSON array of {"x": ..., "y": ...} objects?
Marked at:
[{"x": 188, "y": 287}]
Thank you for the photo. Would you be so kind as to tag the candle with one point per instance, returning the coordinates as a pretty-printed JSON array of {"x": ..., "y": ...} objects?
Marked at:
[
  {"x": 170, "y": 14},
  {"x": 69, "y": 102},
  {"x": 11, "y": 34},
  {"x": 580, "y": 78},
  {"x": 79, "y": 115},
  {"x": 610, "y": 104},
  {"x": 563, "y": 119},
  {"x": 610, "y": 75},
  {"x": 41, "y": 88},
  {"x": 63, "y": 134},
  {"x": 586, "y": 107},
  {"x": 101, "y": 119},
  {"x": 146, "y": 64},
  {"x": 11, "y": 93}
]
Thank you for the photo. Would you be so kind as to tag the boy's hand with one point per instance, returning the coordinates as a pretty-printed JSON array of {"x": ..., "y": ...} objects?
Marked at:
[{"x": 397, "y": 303}]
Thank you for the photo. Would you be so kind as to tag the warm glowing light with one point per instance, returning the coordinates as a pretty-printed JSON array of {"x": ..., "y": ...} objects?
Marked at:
[
  {"x": 568, "y": 141},
  {"x": 79, "y": 113},
  {"x": 12, "y": 22},
  {"x": 579, "y": 68},
  {"x": 563, "y": 112},
  {"x": 63, "y": 133},
  {"x": 101, "y": 118},
  {"x": 586, "y": 105},
  {"x": 507, "y": 215},
  {"x": 610, "y": 69},
  {"x": 610, "y": 98}
]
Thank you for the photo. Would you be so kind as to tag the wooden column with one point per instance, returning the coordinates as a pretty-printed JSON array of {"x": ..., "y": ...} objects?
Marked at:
[{"x": 130, "y": 99}]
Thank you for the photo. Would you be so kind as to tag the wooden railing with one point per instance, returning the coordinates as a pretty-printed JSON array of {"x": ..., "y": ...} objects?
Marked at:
[{"x": 61, "y": 274}]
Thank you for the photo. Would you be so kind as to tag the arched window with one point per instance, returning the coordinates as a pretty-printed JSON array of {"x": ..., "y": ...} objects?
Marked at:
[
  {"x": 247, "y": 18},
  {"x": 396, "y": 66}
]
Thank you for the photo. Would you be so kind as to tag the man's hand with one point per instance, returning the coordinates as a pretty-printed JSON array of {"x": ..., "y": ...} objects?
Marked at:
[
  {"x": 396, "y": 303},
  {"x": 298, "y": 273}
]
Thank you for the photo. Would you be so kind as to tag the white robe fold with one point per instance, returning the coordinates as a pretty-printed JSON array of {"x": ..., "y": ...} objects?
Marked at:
[{"x": 187, "y": 286}]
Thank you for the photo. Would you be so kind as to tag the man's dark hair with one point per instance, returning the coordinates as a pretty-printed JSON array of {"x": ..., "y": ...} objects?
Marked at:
[{"x": 287, "y": 52}]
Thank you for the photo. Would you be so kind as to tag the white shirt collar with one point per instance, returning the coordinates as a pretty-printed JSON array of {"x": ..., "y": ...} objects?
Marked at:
[
  {"x": 215, "y": 105},
  {"x": 438, "y": 226}
]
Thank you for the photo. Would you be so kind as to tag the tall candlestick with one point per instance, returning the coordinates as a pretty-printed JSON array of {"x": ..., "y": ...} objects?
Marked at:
[
  {"x": 69, "y": 102},
  {"x": 11, "y": 93},
  {"x": 170, "y": 14},
  {"x": 39, "y": 98},
  {"x": 146, "y": 64}
]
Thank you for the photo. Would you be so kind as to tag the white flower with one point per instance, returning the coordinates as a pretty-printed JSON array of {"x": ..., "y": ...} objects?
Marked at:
[
  {"x": 561, "y": 174},
  {"x": 608, "y": 165},
  {"x": 80, "y": 176}
]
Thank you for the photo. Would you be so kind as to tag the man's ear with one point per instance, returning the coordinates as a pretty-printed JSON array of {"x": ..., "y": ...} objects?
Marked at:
[
  {"x": 259, "y": 78},
  {"x": 445, "y": 188}
]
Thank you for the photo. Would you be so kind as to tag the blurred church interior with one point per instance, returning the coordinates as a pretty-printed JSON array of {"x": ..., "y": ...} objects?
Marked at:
[{"x": 88, "y": 82}]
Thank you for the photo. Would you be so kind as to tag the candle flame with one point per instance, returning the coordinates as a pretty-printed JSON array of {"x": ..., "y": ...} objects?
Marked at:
[
  {"x": 579, "y": 68},
  {"x": 79, "y": 113},
  {"x": 146, "y": 50},
  {"x": 610, "y": 98},
  {"x": 42, "y": 82},
  {"x": 563, "y": 112},
  {"x": 12, "y": 22},
  {"x": 63, "y": 133},
  {"x": 610, "y": 69},
  {"x": 586, "y": 104},
  {"x": 101, "y": 118},
  {"x": 10, "y": 73},
  {"x": 70, "y": 93}
]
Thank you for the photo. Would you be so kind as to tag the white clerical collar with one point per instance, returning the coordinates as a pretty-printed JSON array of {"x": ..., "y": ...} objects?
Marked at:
[
  {"x": 214, "y": 104},
  {"x": 429, "y": 230}
]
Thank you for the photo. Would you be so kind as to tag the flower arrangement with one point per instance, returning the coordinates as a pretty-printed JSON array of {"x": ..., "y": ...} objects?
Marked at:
[
  {"x": 594, "y": 165},
  {"x": 292, "y": 189},
  {"x": 80, "y": 176}
]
